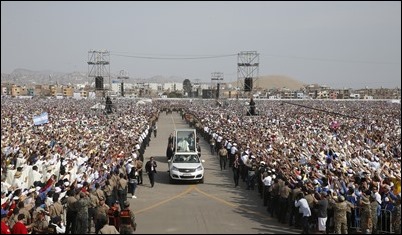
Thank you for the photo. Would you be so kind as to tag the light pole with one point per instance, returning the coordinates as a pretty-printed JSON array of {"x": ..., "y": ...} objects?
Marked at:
[
  {"x": 122, "y": 76},
  {"x": 216, "y": 76}
]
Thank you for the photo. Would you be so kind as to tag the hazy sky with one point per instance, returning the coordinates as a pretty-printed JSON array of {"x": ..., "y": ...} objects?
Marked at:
[{"x": 340, "y": 44}]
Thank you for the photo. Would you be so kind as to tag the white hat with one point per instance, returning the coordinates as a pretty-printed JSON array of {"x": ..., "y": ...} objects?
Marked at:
[
  {"x": 16, "y": 198},
  {"x": 66, "y": 183},
  {"x": 31, "y": 190},
  {"x": 315, "y": 181},
  {"x": 57, "y": 189},
  {"x": 129, "y": 160},
  {"x": 38, "y": 188},
  {"x": 386, "y": 199},
  {"x": 262, "y": 163},
  {"x": 234, "y": 144},
  {"x": 252, "y": 156},
  {"x": 299, "y": 177}
]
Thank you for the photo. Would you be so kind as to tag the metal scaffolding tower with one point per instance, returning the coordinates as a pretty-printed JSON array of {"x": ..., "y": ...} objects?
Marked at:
[
  {"x": 99, "y": 69},
  {"x": 247, "y": 70}
]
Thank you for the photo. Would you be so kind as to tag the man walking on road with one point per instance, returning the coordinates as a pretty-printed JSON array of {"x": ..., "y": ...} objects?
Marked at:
[
  {"x": 223, "y": 157},
  {"x": 150, "y": 168}
]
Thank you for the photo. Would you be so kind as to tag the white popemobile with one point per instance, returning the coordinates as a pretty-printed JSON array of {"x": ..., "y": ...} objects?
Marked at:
[{"x": 185, "y": 165}]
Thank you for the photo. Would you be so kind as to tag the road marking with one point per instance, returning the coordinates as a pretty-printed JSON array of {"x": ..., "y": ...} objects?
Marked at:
[
  {"x": 216, "y": 198},
  {"x": 188, "y": 190},
  {"x": 237, "y": 206},
  {"x": 174, "y": 125},
  {"x": 233, "y": 205}
]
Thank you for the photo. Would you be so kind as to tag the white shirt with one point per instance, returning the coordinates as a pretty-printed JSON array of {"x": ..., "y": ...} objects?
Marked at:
[
  {"x": 18, "y": 183},
  {"x": 58, "y": 229},
  {"x": 229, "y": 146},
  {"x": 303, "y": 207},
  {"x": 233, "y": 150},
  {"x": 128, "y": 167},
  {"x": 4, "y": 200},
  {"x": 244, "y": 158},
  {"x": 267, "y": 181},
  {"x": 34, "y": 176},
  {"x": 5, "y": 187}
]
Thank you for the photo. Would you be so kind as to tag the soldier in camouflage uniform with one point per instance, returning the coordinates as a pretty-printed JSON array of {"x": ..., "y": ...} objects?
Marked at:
[
  {"x": 374, "y": 207},
  {"x": 101, "y": 212},
  {"x": 82, "y": 206},
  {"x": 93, "y": 198},
  {"x": 340, "y": 209},
  {"x": 40, "y": 224},
  {"x": 396, "y": 216},
  {"x": 365, "y": 214}
]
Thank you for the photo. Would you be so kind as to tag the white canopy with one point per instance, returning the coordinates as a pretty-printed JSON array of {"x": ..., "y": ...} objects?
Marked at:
[
  {"x": 98, "y": 106},
  {"x": 143, "y": 101}
]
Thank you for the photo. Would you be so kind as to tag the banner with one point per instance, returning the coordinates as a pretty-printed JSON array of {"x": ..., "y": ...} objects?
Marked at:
[{"x": 41, "y": 119}]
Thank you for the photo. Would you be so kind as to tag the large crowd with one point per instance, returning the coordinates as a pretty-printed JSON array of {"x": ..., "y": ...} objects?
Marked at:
[
  {"x": 321, "y": 149},
  {"x": 81, "y": 154}
]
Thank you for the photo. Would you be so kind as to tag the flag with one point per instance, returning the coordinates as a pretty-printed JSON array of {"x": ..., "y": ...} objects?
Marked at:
[{"x": 41, "y": 119}]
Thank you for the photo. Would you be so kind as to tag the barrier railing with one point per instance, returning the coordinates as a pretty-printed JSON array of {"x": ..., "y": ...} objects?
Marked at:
[{"x": 384, "y": 221}]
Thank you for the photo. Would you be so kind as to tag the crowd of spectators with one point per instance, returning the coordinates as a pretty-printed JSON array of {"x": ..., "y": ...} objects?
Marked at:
[
  {"x": 82, "y": 153},
  {"x": 322, "y": 149},
  {"x": 335, "y": 150}
]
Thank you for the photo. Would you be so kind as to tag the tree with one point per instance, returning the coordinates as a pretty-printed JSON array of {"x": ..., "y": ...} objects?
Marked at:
[
  {"x": 174, "y": 94},
  {"x": 187, "y": 87}
]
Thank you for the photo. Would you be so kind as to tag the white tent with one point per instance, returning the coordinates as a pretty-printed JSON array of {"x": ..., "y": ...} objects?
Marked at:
[
  {"x": 395, "y": 101},
  {"x": 143, "y": 101},
  {"x": 98, "y": 106}
]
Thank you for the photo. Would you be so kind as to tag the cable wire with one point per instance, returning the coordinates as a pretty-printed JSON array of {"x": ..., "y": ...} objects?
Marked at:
[
  {"x": 174, "y": 58},
  {"x": 333, "y": 60}
]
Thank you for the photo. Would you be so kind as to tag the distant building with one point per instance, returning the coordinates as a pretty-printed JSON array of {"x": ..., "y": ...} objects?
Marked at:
[
  {"x": 68, "y": 91},
  {"x": 18, "y": 91}
]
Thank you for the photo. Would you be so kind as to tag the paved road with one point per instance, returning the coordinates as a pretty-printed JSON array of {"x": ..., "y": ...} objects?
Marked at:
[{"x": 213, "y": 207}]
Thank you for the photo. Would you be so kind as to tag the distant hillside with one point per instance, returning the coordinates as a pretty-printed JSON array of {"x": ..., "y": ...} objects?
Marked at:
[
  {"x": 26, "y": 77},
  {"x": 275, "y": 81}
]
